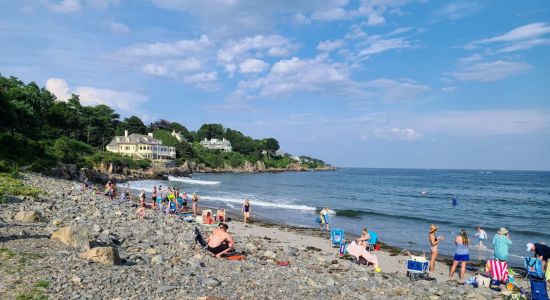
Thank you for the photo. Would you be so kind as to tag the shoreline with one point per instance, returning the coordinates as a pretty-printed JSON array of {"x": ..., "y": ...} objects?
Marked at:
[{"x": 160, "y": 260}]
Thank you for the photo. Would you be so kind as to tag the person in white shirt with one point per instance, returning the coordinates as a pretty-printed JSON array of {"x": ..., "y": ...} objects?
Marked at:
[{"x": 481, "y": 236}]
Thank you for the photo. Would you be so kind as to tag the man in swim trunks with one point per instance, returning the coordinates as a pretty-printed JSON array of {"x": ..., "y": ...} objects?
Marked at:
[{"x": 220, "y": 242}]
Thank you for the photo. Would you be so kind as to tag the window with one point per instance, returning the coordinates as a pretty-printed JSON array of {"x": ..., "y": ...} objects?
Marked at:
[{"x": 127, "y": 148}]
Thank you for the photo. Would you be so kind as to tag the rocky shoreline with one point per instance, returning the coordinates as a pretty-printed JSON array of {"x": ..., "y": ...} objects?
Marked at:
[{"x": 71, "y": 244}]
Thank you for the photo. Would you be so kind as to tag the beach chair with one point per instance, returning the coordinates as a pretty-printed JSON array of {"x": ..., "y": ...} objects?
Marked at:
[
  {"x": 417, "y": 267},
  {"x": 536, "y": 279},
  {"x": 336, "y": 237},
  {"x": 373, "y": 240}
]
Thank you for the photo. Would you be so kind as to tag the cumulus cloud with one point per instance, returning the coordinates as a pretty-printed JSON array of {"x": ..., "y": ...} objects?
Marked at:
[
  {"x": 373, "y": 10},
  {"x": 329, "y": 46},
  {"x": 397, "y": 134},
  {"x": 259, "y": 45},
  {"x": 253, "y": 66},
  {"x": 490, "y": 71},
  {"x": 203, "y": 80},
  {"x": 449, "y": 89},
  {"x": 113, "y": 26},
  {"x": 396, "y": 90},
  {"x": 520, "y": 38},
  {"x": 125, "y": 101}
]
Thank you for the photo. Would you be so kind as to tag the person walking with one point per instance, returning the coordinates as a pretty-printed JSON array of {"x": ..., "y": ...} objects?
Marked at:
[
  {"x": 434, "y": 243},
  {"x": 501, "y": 244},
  {"x": 481, "y": 236},
  {"x": 325, "y": 218},
  {"x": 246, "y": 210},
  {"x": 462, "y": 254}
]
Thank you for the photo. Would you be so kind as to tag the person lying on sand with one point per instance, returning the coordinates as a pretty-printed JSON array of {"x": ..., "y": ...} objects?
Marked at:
[
  {"x": 359, "y": 251},
  {"x": 220, "y": 242}
]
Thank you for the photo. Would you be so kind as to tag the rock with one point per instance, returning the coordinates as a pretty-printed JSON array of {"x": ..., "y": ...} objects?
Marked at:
[
  {"x": 57, "y": 222},
  {"x": 212, "y": 282},
  {"x": 210, "y": 298},
  {"x": 152, "y": 251},
  {"x": 30, "y": 216},
  {"x": 270, "y": 254},
  {"x": 77, "y": 280},
  {"x": 118, "y": 213},
  {"x": 157, "y": 259},
  {"x": 163, "y": 289},
  {"x": 75, "y": 236},
  {"x": 103, "y": 255},
  {"x": 96, "y": 228}
]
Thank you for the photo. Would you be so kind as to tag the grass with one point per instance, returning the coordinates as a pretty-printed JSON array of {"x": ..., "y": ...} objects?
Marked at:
[
  {"x": 13, "y": 262},
  {"x": 42, "y": 283},
  {"x": 10, "y": 184},
  {"x": 33, "y": 294}
]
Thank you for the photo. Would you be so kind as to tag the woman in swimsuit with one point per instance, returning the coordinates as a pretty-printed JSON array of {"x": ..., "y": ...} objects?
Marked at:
[
  {"x": 154, "y": 196},
  {"x": 195, "y": 200},
  {"x": 246, "y": 210},
  {"x": 434, "y": 242}
]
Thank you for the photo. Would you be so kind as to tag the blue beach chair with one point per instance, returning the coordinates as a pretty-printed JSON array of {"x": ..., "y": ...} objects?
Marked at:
[
  {"x": 373, "y": 240},
  {"x": 336, "y": 237}
]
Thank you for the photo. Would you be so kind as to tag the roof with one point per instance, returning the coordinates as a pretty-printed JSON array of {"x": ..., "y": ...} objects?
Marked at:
[{"x": 134, "y": 138}]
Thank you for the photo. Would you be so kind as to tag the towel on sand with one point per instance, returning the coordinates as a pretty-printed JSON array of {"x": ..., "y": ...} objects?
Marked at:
[{"x": 358, "y": 251}]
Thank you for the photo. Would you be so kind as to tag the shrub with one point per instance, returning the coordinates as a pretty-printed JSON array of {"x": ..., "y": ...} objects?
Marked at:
[{"x": 13, "y": 186}]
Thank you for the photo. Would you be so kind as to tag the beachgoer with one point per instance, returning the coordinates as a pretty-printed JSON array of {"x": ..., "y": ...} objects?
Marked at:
[
  {"x": 246, "y": 210},
  {"x": 208, "y": 219},
  {"x": 481, "y": 236},
  {"x": 325, "y": 218},
  {"x": 109, "y": 190},
  {"x": 195, "y": 200},
  {"x": 140, "y": 212},
  {"x": 501, "y": 244},
  {"x": 542, "y": 252},
  {"x": 359, "y": 251},
  {"x": 220, "y": 242},
  {"x": 220, "y": 214},
  {"x": 364, "y": 239},
  {"x": 462, "y": 254},
  {"x": 142, "y": 198},
  {"x": 434, "y": 242},
  {"x": 185, "y": 198},
  {"x": 154, "y": 196}
]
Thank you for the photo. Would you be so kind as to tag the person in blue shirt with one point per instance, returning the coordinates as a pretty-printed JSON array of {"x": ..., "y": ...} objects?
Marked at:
[{"x": 501, "y": 243}]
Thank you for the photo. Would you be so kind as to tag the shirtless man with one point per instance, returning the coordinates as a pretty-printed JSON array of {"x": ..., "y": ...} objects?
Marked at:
[{"x": 220, "y": 242}]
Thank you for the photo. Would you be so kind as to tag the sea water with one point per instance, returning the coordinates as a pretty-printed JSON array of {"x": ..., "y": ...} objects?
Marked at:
[{"x": 398, "y": 204}]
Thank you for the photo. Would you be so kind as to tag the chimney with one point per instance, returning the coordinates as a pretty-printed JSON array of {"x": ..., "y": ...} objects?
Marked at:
[
  {"x": 150, "y": 134},
  {"x": 125, "y": 133}
]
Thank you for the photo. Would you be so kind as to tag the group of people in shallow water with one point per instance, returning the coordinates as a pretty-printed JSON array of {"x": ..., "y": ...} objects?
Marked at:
[{"x": 501, "y": 245}]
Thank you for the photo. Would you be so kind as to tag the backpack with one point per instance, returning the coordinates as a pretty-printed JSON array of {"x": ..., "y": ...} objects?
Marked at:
[
  {"x": 534, "y": 267},
  {"x": 198, "y": 237}
]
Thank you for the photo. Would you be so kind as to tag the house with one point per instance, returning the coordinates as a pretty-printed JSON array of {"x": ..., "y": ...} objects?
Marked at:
[
  {"x": 141, "y": 146},
  {"x": 178, "y": 136},
  {"x": 216, "y": 144}
]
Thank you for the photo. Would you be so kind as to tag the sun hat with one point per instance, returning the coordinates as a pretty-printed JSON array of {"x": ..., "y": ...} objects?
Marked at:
[
  {"x": 433, "y": 228},
  {"x": 502, "y": 230},
  {"x": 530, "y": 246}
]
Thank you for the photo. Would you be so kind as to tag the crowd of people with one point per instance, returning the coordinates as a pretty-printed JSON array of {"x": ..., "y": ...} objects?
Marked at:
[{"x": 501, "y": 244}]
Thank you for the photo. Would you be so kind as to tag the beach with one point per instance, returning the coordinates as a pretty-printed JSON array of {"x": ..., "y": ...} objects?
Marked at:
[{"x": 160, "y": 260}]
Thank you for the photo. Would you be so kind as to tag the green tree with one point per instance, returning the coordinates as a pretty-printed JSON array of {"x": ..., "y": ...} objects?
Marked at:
[
  {"x": 133, "y": 124},
  {"x": 210, "y": 131}
]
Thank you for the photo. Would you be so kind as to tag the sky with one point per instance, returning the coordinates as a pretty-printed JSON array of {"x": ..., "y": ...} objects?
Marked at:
[{"x": 369, "y": 83}]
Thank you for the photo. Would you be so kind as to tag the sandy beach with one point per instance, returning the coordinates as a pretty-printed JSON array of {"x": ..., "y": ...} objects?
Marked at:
[{"x": 158, "y": 258}]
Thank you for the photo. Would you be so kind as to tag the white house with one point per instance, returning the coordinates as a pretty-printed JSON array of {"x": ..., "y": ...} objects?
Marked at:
[
  {"x": 216, "y": 144},
  {"x": 178, "y": 136},
  {"x": 141, "y": 146}
]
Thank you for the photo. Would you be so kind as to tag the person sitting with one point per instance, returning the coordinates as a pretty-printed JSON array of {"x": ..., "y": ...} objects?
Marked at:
[
  {"x": 364, "y": 239},
  {"x": 220, "y": 242},
  {"x": 140, "y": 212},
  {"x": 360, "y": 252},
  {"x": 208, "y": 219},
  {"x": 220, "y": 214}
]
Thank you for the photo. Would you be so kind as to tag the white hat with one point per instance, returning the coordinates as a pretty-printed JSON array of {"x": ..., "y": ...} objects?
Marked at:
[{"x": 530, "y": 246}]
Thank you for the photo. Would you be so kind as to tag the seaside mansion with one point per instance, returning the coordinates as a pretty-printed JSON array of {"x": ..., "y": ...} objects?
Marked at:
[
  {"x": 141, "y": 146},
  {"x": 216, "y": 144}
]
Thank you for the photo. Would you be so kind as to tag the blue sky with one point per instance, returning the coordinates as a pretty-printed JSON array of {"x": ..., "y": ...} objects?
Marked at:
[{"x": 371, "y": 83}]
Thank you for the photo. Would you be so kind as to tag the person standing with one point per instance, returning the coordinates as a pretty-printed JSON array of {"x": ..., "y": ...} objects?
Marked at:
[
  {"x": 501, "y": 244},
  {"x": 246, "y": 210},
  {"x": 195, "y": 200},
  {"x": 325, "y": 218},
  {"x": 481, "y": 236},
  {"x": 154, "y": 196},
  {"x": 542, "y": 252},
  {"x": 462, "y": 254},
  {"x": 434, "y": 242}
]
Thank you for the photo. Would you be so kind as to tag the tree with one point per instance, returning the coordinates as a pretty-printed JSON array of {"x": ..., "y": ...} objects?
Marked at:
[
  {"x": 210, "y": 131},
  {"x": 240, "y": 143},
  {"x": 271, "y": 145},
  {"x": 99, "y": 123},
  {"x": 160, "y": 124},
  {"x": 183, "y": 149},
  {"x": 133, "y": 124}
]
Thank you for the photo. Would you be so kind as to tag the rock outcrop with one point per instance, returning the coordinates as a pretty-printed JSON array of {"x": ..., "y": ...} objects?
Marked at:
[
  {"x": 102, "y": 255},
  {"x": 30, "y": 216},
  {"x": 75, "y": 236}
]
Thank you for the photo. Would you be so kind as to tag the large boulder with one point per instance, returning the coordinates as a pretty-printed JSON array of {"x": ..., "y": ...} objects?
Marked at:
[
  {"x": 30, "y": 216},
  {"x": 75, "y": 236},
  {"x": 103, "y": 255}
]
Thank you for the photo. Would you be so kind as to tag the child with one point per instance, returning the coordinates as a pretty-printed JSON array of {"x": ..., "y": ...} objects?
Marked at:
[{"x": 482, "y": 236}]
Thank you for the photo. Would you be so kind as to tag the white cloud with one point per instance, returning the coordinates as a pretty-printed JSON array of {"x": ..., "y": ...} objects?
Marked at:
[
  {"x": 156, "y": 70},
  {"x": 520, "y": 38},
  {"x": 102, "y": 4},
  {"x": 272, "y": 45},
  {"x": 301, "y": 19},
  {"x": 125, "y": 101},
  {"x": 397, "y": 134},
  {"x": 457, "y": 10},
  {"x": 373, "y": 10},
  {"x": 117, "y": 27},
  {"x": 396, "y": 90},
  {"x": 449, "y": 89},
  {"x": 329, "y": 46},
  {"x": 490, "y": 71},
  {"x": 470, "y": 59},
  {"x": 253, "y": 66},
  {"x": 382, "y": 45},
  {"x": 63, "y": 6},
  {"x": 59, "y": 88},
  {"x": 203, "y": 80}
]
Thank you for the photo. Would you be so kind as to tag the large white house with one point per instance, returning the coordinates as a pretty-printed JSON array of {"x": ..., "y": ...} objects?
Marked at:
[
  {"x": 216, "y": 144},
  {"x": 141, "y": 146}
]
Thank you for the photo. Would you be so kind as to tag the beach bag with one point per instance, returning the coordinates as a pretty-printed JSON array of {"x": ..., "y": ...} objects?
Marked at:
[
  {"x": 344, "y": 249},
  {"x": 495, "y": 285},
  {"x": 538, "y": 289},
  {"x": 534, "y": 267}
]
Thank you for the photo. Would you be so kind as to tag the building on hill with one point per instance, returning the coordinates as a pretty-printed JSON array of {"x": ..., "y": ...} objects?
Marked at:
[
  {"x": 141, "y": 146},
  {"x": 178, "y": 136},
  {"x": 216, "y": 144}
]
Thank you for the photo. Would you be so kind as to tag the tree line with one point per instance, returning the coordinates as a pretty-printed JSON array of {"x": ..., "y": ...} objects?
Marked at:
[{"x": 38, "y": 130}]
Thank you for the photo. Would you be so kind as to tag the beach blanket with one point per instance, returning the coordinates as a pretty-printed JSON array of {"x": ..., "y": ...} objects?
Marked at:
[
  {"x": 498, "y": 270},
  {"x": 358, "y": 251}
]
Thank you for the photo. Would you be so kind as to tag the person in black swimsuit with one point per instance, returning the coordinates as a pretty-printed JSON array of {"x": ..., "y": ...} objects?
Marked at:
[{"x": 246, "y": 210}]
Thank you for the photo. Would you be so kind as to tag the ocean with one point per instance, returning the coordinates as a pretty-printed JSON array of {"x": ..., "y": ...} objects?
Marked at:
[{"x": 398, "y": 204}]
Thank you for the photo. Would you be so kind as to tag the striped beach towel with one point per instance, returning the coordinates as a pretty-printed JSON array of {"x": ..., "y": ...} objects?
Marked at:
[{"x": 498, "y": 270}]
